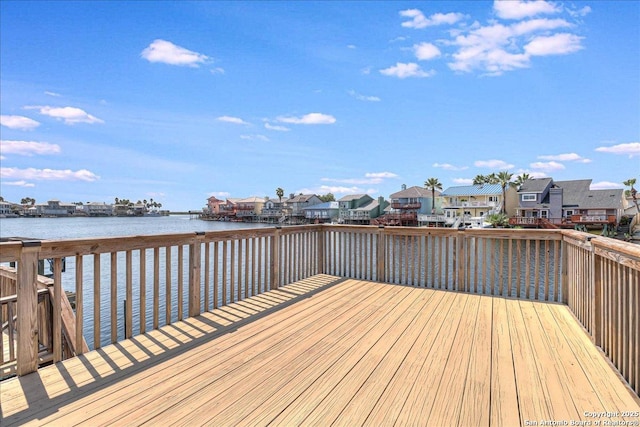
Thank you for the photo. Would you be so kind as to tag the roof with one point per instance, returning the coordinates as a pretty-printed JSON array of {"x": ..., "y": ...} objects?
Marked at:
[
  {"x": 414, "y": 191},
  {"x": 535, "y": 185},
  {"x": 473, "y": 190},
  {"x": 368, "y": 207},
  {"x": 322, "y": 206},
  {"x": 351, "y": 197},
  {"x": 611, "y": 199},
  {"x": 301, "y": 198},
  {"x": 251, "y": 200}
]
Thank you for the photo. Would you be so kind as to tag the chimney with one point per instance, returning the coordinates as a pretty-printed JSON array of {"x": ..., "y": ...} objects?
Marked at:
[{"x": 404, "y": 186}]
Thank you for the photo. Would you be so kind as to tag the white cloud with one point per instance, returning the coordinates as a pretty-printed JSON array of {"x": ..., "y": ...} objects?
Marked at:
[
  {"x": 351, "y": 46},
  {"x": 19, "y": 184},
  {"x": 402, "y": 71},
  {"x": 217, "y": 70},
  {"x": 324, "y": 189},
  {"x": 168, "y": 53},
  {"x": 255, "y": 137},
  {"x": 605, "y": 185},
  {"x": 309, "y": 119},
  {"x": 631, "y": 148},
  {"x": 363, "y": 97},
  {"x": 220, "y": 194},
  {"x": 18, "y": 122},
  {"x": 493, "y": 164},
  {"x": 578, "y": 13},
  {"x": 276, "y": 127},
  {"x": 568, "y": 157},
  {"x": 518, "y": 9},
  {"x": 426, "y": 51},
  {"x": 497, "y": 48},
  {"x": 463, "y": 181},
  {"x": 449, "y": 167},
  {"x": 28, "y": 148},
  {"x": 57, "y": 95},
  {"x": 418, "y": 20},
  {"x": 369, "y": 178},
  {"x": 69, "y": 115},
  {"x": 48, "y": 174},
  {"x": 234, "y": 120},
  {"x": 547, "y": 166},
  {"x": 557, "y": 44},
  {"x": 380, "y": 175}
]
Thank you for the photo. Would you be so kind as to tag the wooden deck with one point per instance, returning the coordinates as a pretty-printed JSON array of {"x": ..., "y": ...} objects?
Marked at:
[{"x": 332, "y": 351}]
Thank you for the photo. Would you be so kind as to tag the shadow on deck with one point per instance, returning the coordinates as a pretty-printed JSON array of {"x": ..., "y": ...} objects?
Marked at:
[{"x": 327, "y": 350}]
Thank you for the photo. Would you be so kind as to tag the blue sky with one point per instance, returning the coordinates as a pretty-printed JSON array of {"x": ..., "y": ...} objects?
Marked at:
[{"x": 178, "y": 101}]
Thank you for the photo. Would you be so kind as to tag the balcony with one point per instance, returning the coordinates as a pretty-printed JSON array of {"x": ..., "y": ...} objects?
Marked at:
[
  {"x": 406, "y": 206},
  {"x": 343, "y": 325}
]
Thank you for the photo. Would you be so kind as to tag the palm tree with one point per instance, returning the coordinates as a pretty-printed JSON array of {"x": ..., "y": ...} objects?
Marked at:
[
  {"x": 504, "y": 179},
  {"x": 433, "y": 184},
  {"x": 479, "y": 180},
  {"x": 492, "y": 179},
  {"x": 520, "y": 179},
  {"x": 634, "y": 193},
  {"x": 279, "y": 193}
]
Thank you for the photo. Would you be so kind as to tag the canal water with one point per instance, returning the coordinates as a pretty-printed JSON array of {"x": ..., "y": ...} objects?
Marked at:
[{"x": 83, "y": 227}]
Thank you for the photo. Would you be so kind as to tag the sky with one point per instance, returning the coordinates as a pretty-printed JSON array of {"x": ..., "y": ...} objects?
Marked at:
[{"x": 180, "y": 101}]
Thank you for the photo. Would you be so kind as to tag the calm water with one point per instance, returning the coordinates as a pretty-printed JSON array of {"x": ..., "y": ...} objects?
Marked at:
[{"x": 69, "y": 228}]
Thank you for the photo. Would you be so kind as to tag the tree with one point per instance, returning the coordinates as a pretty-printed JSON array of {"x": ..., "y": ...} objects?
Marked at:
[
  {"x": 634, "y": 193},
  {"x": 520, "y": 179},
  {"x": 479, "y": 180},
  {"x": 329, "y": 197},
  {"x": 504, "y": 179},
  {"x": 28, "y": 201},
  {"x": 279, "y": 193},
  {"x": 433, "y": 184},
  {"x": 498, "y": 220}
]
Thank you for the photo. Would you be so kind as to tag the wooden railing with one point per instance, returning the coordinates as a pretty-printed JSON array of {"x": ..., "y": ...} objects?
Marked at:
[
  {"x": 139, "y": 283},
  {"x": 603, "y": 277}
]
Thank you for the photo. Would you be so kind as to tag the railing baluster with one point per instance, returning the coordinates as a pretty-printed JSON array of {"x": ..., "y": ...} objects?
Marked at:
[
  {"x": 143, "y": 290},
  {"x": 128, "y": 312},
  {"x": 79, "y": 305},
  {"x": 113, "y": 297}
]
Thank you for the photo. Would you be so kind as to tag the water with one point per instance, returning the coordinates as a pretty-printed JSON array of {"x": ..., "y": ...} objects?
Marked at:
[
  {"x": 83, "y": 227},
  {"x": 78, "y": 227}
]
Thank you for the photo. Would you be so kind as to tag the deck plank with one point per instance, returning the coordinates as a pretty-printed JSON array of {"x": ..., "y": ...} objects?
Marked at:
[
  {"x": 504, "y": 398},
  {"x": 336, "y": 351}
]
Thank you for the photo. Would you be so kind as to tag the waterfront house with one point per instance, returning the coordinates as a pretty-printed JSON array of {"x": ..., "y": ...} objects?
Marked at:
[
  {"x": 322, "y": 212},
  {"x": 272, "y": 210},
  {"x": 543, "y": 202},
  {"x": 53, "y": 208},
  {"x": 97, "y": 209},
  {"x": 476, "y": 201},
  {"x": 294, "y": 206},
  {"x": 228, "y": 209},
  {"x": 250, "y": 208},
  {"x": 350, "y": 202},
  {"x": 213, "y": 206},
  {"x": 365, "y": 210},
  {"x": 406, "y": 205}
]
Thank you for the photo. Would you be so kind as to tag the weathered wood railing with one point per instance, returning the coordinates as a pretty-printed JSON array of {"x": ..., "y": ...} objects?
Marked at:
[
  {"x": 603, "y": 277},
  {"x": 143, "y": 282}
]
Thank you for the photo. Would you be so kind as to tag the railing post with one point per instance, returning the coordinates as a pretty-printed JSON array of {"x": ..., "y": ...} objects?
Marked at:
[
  {"x": 596, "y": 301},
  {"x": 27, "y": 311},
  {"x": 320, "y": 249},
  {"x": 275, "y": 258},
  {"x": 381, "y": 267},
  {"x": 565, "y": 278},
  {"x": 195, "y": 272}
]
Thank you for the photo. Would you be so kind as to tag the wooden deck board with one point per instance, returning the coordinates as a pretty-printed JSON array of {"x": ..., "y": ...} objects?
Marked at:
[{"x": 336, "y": 351}]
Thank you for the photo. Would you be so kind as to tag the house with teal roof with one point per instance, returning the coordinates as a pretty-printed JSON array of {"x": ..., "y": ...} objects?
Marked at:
[{"x": 476, "y": 201}]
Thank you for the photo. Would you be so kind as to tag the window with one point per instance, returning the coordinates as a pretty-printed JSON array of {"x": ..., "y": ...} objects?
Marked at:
[
  {"x": 529, "y": 197},
  {"x": 544, "y": 214},
  {"x": 493, "y": 198}
]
